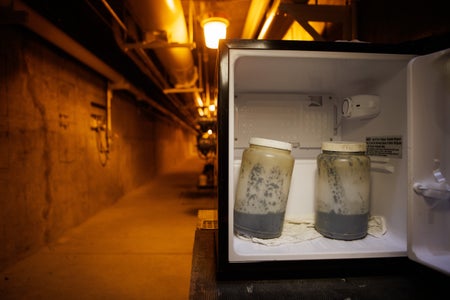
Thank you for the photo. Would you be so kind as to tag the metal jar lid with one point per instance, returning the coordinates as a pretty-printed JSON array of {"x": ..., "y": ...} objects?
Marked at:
[
  {"x": 343, "y": 146},
  {"x": 270, "y": 143}
]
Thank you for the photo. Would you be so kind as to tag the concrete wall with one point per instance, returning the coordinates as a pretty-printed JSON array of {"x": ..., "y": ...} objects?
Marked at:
[{"x": 53, "y": 175}]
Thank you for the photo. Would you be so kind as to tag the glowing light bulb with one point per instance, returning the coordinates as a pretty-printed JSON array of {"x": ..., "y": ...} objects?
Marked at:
[{"x": 214, "y": 29}]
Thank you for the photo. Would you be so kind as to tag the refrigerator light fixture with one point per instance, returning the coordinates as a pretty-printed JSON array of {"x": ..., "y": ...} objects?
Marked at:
[{"x": 361, "y": 107}]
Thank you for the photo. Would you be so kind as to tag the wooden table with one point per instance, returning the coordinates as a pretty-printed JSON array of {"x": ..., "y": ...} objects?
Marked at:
[{"x": 204, "y": 284}]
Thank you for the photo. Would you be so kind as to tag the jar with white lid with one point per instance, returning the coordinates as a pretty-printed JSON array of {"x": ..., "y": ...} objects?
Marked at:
[
  {"x": 342, "y": 205},
  {"x": 263, "y": 188}
]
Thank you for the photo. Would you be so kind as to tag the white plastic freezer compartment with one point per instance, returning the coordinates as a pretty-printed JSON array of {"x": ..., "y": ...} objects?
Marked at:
[{"x": 303, "y": 97}]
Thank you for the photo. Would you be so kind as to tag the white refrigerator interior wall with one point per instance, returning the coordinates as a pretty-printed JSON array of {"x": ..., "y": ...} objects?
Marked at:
[{"x": 333, "y": 76}]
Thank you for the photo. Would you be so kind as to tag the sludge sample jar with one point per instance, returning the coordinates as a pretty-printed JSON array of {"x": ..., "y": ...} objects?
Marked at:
[
  {"x": 263, "y": 188},
  {"x": 342, "y": 203}
]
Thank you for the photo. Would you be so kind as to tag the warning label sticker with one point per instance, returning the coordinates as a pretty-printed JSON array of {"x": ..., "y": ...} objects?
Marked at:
[{"x": 390, "y": 146}]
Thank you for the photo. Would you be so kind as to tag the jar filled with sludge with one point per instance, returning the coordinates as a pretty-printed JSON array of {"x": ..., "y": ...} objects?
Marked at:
[
  {"x": 263, "y": 188},
  {"x": 342, "y": 204}
]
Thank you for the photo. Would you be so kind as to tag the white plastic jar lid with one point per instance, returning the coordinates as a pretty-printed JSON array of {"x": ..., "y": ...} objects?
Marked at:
[
  {"x": 343, "y": 146},
  {"x": 270, "y": 143}
]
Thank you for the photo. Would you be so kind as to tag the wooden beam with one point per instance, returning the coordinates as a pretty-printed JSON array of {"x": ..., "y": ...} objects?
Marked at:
[
  {"x": 312, "y": 32},
  {"x": 302, "y": 13}
]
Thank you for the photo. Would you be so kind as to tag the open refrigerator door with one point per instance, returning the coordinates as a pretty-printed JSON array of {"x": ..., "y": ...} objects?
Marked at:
[{"x": 429, "y": 160}]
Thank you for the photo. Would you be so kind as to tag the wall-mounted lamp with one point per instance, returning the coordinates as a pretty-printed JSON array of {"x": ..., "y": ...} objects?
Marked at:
[{"x": 214, "y": 28}]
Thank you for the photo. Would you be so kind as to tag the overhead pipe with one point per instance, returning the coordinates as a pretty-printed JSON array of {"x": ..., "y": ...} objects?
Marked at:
[
  {"x": 154, "y": 75},
  {"x": 136, "y": 51},
  {"x": 146, "y": 65},
  {"x": 55, "y": 36},
  {"x": 255, "y": 15},
  {"x": 166, "y": 18},
  {"x": 269, "y": 19}
]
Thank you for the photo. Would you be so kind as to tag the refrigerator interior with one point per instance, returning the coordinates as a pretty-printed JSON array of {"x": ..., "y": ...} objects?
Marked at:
[{"x": 297, "y": 96}]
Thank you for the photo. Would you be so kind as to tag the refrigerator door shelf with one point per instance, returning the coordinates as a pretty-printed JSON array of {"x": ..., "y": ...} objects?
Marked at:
[
  {"x": 433, "y": 192},
  {"x": 429, "y": 160}
]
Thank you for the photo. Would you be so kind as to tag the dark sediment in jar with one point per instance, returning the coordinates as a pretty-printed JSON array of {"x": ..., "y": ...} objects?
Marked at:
[
  {"x": 342, "y": 227},
  {"x": 264, "y": 226}
]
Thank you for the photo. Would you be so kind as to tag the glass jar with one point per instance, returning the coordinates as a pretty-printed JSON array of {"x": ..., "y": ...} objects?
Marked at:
[
  {"x": 263, "y": 188},
  {"x": 342, "y": 204}
]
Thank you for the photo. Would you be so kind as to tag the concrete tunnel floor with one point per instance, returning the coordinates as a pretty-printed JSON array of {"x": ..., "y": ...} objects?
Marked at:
[{"x": 139, "y": 248}]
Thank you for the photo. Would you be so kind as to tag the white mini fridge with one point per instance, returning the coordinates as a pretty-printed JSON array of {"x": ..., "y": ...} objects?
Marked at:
[{"x": 396, "y": 98}]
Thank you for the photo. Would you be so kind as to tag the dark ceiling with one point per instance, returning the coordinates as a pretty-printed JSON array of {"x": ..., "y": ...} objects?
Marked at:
[{"x": 92, "y": 24}]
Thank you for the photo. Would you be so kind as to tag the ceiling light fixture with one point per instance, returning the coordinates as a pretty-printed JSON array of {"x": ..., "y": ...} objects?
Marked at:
[{"x": 214, "y": 28}]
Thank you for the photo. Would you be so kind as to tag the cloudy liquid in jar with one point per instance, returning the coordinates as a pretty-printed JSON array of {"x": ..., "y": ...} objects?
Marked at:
[
  {"x": 342, "y": 204},
  {"x": 263, "y": 188}
]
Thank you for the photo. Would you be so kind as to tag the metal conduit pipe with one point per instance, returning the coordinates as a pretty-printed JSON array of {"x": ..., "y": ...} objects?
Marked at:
[
  {"x": 157, "y": 17},
  {"x": 49, "y": 32},
  {"x": 164, "y": 32},
  {"x": 171, "y": 97},
  {"x": 258, "y": 10},
  {"x": 138, "y": 55},
  {"x": 269, "y": 18},
  {"x": 144, "y": 63}
]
